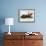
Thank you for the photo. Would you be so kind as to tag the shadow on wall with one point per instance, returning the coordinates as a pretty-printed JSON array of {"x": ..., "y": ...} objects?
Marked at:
[{"x": 2, "y": 21}]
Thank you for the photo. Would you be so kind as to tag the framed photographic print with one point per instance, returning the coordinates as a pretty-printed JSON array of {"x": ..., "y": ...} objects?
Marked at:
[{"x": 26, "y": 15}]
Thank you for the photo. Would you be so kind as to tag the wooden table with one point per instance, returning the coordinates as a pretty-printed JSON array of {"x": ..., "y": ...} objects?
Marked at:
[{"x": 20, "y": 39}]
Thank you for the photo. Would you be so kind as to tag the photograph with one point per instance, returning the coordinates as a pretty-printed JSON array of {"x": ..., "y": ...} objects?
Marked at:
[{"x": 26, "y": 15}]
